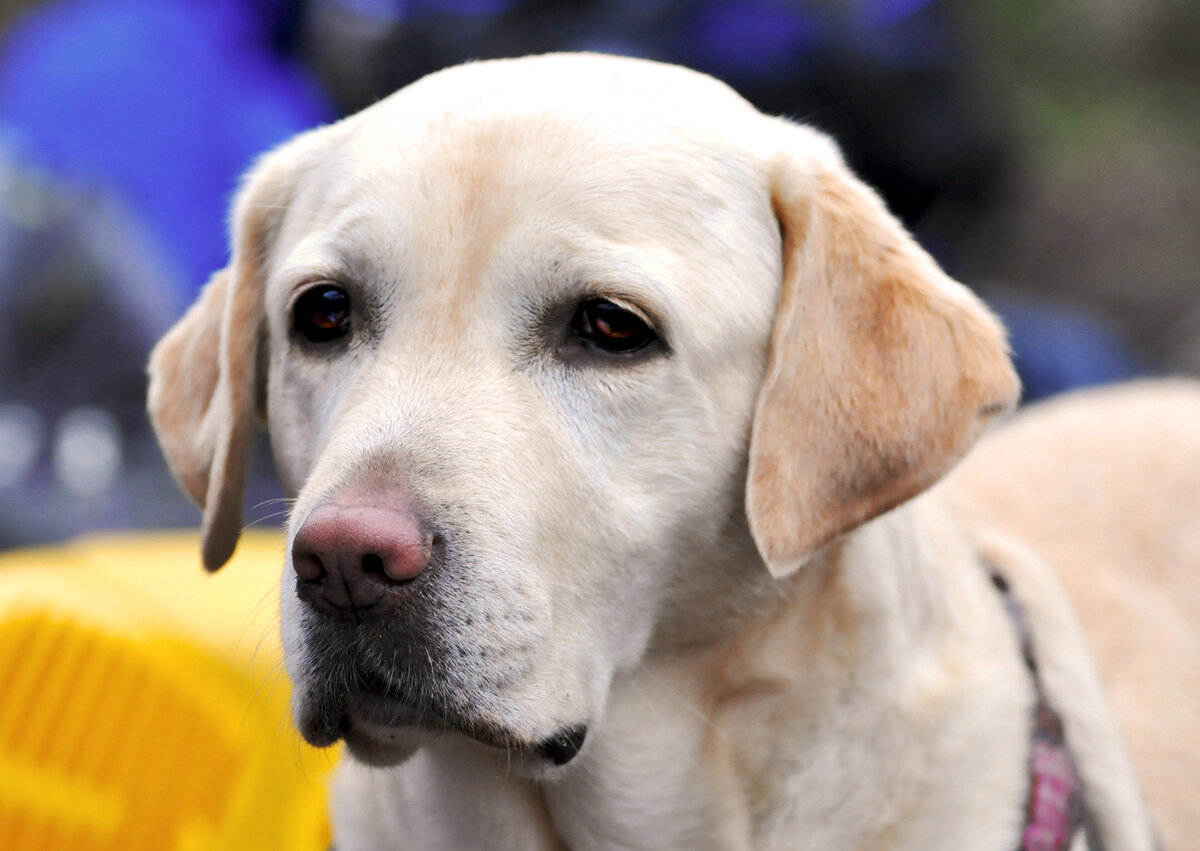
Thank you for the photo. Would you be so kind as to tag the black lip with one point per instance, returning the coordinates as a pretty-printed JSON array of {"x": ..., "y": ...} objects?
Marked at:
[
  {"x": 564, "y": 745},
  {"x": 321, "y": 718},
  {"x": 342, "y": 690},
  {"x": 559, "y": 749}
]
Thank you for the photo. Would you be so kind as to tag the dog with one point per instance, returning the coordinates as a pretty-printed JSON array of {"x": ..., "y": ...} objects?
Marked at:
[{"x": 613, "y": 410}]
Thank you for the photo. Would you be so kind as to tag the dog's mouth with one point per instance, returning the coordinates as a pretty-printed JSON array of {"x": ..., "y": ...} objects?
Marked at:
[{"x": 382, "y": 728}]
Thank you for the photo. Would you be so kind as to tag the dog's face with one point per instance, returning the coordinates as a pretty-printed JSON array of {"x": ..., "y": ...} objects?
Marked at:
[
  {"x": 546, "y": 348},
  {"x": 541, "y": 363}
]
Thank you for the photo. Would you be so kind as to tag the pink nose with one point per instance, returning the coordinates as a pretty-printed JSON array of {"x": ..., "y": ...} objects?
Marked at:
[{"x": 355, "y": 551}]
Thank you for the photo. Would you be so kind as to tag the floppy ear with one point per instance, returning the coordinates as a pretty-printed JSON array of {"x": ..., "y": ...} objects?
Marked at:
[
  {"x": 202, "y": 394},
  {"x": 882, "y": 370}
]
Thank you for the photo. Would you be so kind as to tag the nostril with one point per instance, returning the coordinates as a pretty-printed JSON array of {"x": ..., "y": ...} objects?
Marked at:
[
  {"x": 394, "y": 568},
  {"x": 308, "y": 566}
]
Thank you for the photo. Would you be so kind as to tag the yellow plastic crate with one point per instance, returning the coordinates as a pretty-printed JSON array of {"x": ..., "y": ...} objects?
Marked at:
[{"x": 143, "y": 703}]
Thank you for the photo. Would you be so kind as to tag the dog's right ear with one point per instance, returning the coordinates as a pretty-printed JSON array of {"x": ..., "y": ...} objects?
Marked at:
[
  {"x": 203, "y": 382},
  {"x": 882, "y": 371}
]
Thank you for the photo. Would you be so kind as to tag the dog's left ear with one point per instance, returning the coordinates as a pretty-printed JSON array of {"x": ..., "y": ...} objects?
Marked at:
[
  {"x": 882, "y": 370},
  {"x": 204, "y": 384}
]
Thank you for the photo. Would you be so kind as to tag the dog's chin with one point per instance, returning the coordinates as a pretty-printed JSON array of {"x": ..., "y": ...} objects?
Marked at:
[
  {"x": 382, "y": 731},
  {"x": 380, "y": 746}
]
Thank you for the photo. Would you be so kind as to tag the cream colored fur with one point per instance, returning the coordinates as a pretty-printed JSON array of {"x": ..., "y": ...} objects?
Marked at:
[{"x": 718, "y": 556}]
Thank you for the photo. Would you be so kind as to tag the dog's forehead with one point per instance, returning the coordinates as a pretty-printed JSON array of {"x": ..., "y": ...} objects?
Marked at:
[
  {"x": 446, "y": 172},
  {"x": 548, "y": 120},
  {"x": 568, "y": 84},
  {"x": 556, "y": 118}
]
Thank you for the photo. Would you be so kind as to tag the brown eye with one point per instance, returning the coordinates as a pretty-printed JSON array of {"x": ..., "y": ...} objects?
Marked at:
[
  {"x": 611, "y": 328},
  {"x": 322, "y": 313}
]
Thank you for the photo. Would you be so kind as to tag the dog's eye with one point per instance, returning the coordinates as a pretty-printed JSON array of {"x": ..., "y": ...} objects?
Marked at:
[
  {"x": 322, "y": 313},
  {"x": 611, "y": 328}
]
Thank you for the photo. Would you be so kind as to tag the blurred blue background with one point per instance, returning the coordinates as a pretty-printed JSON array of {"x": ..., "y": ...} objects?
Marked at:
[{"x": 1045, "y": 153}]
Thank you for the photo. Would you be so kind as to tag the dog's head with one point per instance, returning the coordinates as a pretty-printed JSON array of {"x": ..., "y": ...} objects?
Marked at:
[{"x": 555, "y": 354}]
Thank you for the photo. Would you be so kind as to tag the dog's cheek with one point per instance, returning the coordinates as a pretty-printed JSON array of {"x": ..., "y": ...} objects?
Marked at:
[
  {"x": 640, "y": 470},
  {"x": 304, "y": 395},
  {"x": 295, "y": 653}
]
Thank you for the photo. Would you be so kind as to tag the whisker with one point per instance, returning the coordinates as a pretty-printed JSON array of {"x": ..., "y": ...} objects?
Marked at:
[
  {"x": 265, "y": 518},
  {"x": 285, "y": 500}
]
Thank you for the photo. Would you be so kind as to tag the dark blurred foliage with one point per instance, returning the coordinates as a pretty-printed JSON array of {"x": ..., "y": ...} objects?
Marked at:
[
  {"x": 124, "y": 128},
  {"x": 883, "y": 76},
  {"x": 1102, "y": 207},
  {"x": 160, "y": 106}
]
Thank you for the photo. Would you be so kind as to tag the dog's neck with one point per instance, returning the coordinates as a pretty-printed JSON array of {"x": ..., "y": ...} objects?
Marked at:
[{"x": 854, "y": 697}]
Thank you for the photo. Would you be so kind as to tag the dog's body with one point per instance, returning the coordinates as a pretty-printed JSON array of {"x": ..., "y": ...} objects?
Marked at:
[
  {"x": 597, "y": 390},
  {"x": 1099, "y": 494}
]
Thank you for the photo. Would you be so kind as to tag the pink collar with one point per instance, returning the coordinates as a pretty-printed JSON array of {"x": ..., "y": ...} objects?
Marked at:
[{"x": 1054, "y": 811}]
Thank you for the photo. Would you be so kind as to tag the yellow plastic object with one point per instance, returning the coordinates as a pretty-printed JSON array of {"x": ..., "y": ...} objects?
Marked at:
[{"x": 143, "y": 704}]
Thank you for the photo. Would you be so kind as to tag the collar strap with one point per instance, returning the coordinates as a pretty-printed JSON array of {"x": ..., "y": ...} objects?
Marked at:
[{"x": 1054, "y": 809}]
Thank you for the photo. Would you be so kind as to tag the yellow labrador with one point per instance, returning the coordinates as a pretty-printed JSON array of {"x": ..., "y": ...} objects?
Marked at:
[{"x": 605, "y": 400}]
